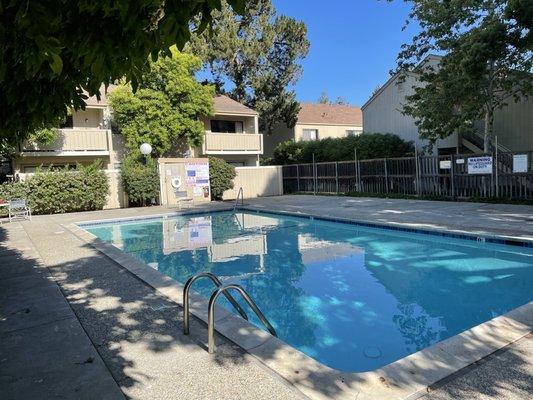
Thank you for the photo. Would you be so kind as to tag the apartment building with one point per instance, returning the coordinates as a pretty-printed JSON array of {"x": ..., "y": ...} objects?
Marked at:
[
  {"x": 383, "y": 113},
  {"x": 318, "y": 121},
  {"x": 231, "y": 134}
]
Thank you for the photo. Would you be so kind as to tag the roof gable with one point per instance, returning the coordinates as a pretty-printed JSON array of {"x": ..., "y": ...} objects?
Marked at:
[{"x": 225, "y": 105}]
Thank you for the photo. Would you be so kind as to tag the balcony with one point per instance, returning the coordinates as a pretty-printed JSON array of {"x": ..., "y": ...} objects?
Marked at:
[
  {"x": 75, "y": 142},
  {"x": 233, "y": 143}
]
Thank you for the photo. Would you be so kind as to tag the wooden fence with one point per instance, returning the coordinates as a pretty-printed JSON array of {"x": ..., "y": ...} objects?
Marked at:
[{"x": 505, "y": 175}]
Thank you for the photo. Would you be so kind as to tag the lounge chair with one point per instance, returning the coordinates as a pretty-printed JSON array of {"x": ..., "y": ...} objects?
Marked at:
[{"x": 18, "y": 209}]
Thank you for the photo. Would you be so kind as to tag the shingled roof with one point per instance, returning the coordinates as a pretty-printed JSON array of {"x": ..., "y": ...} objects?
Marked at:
[
  {"x": 332, "y": 114},
  {"x": 223, "y": 104}
]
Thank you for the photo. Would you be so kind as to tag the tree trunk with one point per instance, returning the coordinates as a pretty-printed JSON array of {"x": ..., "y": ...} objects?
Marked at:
[{"x": 487, "y": 134}]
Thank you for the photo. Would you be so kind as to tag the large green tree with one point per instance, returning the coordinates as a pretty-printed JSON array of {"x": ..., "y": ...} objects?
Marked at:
[
  {"x": 487, "y": 62},
  {"x": 254, "y": 58},
  {"x": 51, "y": 51},
  {"x": 167, "y": 108}
]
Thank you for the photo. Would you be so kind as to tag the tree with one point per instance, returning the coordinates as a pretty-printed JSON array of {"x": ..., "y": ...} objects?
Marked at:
[
  {"x": 140, "y": 179},
  {"x": 56, "y": 53},
  {"x": 487, "y": 62},
  {"x": 323, "y": 99},
  {"x": 166, "y": 109},
  {"x": 257, "y": 54}
]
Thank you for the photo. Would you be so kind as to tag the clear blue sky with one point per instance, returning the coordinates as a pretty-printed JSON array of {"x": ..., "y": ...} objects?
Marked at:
[{"x": 354, "y": 44}]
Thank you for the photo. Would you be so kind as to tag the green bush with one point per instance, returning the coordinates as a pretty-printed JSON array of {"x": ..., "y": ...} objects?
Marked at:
[
  {"x": 60, "y": 191},
  {"x": 140, "y": 179},
  {"x": 221, "y": 175},
  {"x": 368, "y": 145}
]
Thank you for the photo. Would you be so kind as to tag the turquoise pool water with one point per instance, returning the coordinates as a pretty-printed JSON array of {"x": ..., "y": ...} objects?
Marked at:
[{"x": 354, "y": 298}]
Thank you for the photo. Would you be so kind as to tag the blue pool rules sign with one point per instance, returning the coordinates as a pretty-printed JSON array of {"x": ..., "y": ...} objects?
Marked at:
[{"x": 480, "y": 165}]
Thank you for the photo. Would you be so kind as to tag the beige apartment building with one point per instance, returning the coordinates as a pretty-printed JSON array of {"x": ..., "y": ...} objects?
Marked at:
[
  {"x": 231, "y": 134},
  {"x": 315, "y": 122}
]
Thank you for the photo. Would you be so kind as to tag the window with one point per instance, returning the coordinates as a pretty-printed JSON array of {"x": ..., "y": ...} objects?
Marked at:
[
  {"x": 351, "y": 132},
  {"x": 221, "y": 126},
  {"x": 310, "y": 134}
]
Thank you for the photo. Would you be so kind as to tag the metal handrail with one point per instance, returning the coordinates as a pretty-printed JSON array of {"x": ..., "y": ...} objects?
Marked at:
[
  {"x": 241, "y": 194},
  {"x": 211, "y": 313},
  {"x": 218, "y": 284}
]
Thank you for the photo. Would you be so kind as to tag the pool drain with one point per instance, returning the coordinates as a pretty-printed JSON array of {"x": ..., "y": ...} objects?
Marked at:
[{"x": 372, "y": 352}]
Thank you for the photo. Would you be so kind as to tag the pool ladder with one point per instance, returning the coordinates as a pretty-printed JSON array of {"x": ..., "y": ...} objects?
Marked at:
[
  {"x": 220, "y": 289},
  {"x": 240, "y": 194}
]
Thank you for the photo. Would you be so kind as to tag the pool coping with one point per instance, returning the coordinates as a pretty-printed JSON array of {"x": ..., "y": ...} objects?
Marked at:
[{"x": 407, "y": 378}]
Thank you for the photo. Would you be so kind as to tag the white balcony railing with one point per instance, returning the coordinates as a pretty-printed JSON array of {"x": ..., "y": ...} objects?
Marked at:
[
  {"x": 73, "y": 140},
  {"x": 219, "y": 143}
]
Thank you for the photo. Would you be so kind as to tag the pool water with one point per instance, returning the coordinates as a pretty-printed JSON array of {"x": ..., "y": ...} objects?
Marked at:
[{"x": 354, "y": 298}]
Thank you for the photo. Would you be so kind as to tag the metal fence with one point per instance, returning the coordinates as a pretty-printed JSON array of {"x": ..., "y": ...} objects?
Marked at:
[{"x": 503, "y": 175}]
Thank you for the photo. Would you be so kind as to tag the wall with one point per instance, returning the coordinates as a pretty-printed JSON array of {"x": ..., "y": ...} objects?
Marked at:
[
  {"x": 94, "y": 117},
  {"x": 514, "y": 125},
  {"x": 280, "y": 133},
  {"x": 256, "y": 182},
  {"x": 325, "y": 131},
  {"x": 117, "y": 197}
]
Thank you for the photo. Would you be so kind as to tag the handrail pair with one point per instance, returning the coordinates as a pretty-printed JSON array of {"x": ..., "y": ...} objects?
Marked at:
[
  {"x": 211, "y": 307},
  {"x": 240, "y": 194}
]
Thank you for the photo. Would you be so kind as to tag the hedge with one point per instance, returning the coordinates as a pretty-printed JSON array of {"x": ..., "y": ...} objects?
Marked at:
[
  {"x": 221, "y": 175},
  {"x": 61, "y": 191},
  {"x": 140, "y": 179},
  {"x": 368, "y": 145}
]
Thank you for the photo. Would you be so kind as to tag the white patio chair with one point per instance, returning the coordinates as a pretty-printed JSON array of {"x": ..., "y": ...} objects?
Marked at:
[{"x": 18, "y": 209}]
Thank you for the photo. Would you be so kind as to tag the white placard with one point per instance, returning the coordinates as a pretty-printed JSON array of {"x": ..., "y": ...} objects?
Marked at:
[
  {"x": 480, "y": 165},
  {"x": 460, "y": 161},
  {"x": 520, "y": 163},
  {"x": 445, "y": 164}
]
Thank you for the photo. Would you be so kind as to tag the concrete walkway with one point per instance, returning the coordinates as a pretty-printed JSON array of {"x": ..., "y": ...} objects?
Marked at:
[
  {"x": 480, "y": 218},
  {"x": 94, "y": 331},
  {"x": 136, "y": 332}
]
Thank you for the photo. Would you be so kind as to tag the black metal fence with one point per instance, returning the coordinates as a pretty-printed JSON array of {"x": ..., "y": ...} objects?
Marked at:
[{"x": 503, "y": 175}]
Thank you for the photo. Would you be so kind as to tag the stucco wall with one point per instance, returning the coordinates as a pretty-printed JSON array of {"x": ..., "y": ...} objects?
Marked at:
[
  {"x": 326, "y": 131},
  {"x": 88, "y": 118}
]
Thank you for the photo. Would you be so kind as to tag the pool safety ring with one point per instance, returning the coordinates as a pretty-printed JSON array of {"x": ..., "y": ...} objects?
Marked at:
[{"x": 176, "y": 182}]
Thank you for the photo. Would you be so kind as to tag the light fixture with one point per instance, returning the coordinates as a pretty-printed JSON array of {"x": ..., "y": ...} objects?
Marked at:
[{"x": 146, "y": 149}]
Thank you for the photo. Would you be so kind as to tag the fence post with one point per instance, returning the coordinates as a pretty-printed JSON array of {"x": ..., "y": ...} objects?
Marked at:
[
  {"x": 386, "y": 176},
  {"x": 452, "y": 175},
  {"x": 496, "y": 165},
  {"x": 337, "y": 177},
  {"x": 314, "y": 176},
  {"x": 417, "y": 182},
  {"x": 298, "y": 176}
]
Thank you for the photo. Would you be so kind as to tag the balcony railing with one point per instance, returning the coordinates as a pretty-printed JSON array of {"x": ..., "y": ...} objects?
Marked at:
[
  {"x": 233, "y": 143},
  {"x": 73, "y": 140}
]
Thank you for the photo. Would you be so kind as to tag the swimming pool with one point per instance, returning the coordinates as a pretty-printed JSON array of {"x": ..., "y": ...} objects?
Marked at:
[{"x": 353, "y": 297}]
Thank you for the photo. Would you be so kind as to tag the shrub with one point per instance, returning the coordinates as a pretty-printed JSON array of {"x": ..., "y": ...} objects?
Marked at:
[
  {"x": 368, "y": 145},
  {"x": 140, "y": 179},
  {"x": 60, "y": 191},
  {"x": 221, "y": 175}
]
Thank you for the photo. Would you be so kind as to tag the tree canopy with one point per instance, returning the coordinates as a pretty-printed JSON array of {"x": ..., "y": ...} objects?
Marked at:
[
  {"x": 167, "y": 108},
  {"x": 56, "y": 53},
  {"x": 253, "y": 58},
  {"x": 487, "y": 62}
]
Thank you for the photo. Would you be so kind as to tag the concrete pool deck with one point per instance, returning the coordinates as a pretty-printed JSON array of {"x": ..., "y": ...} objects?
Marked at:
[{"x": 137, "y": 332}]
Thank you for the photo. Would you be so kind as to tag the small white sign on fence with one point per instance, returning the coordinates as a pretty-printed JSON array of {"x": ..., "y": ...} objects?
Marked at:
[
  {"x": 445, "y": 164},
  {"x": 480, "y": 165},
  {"x": 520, "y": 163}
]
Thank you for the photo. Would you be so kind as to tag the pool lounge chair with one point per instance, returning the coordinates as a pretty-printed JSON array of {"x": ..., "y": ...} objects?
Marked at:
[{"x": 18, "y": 209}]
